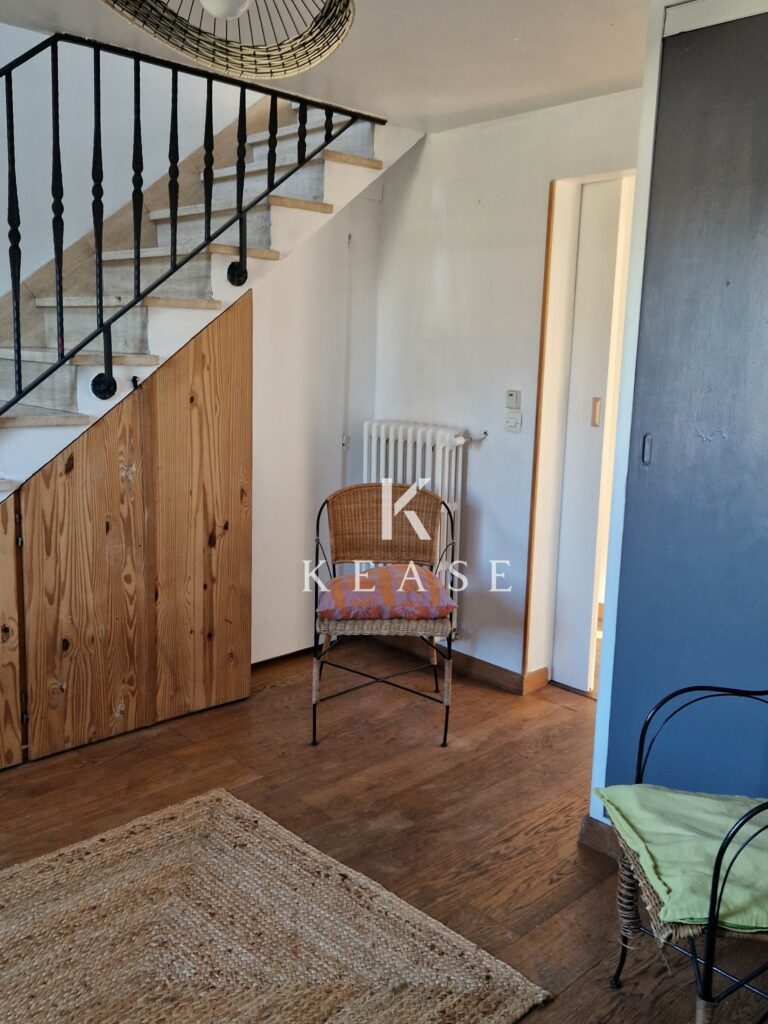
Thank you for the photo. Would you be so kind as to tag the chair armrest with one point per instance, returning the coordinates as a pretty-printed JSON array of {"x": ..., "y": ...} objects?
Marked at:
[{"x": 696, "y": 695}]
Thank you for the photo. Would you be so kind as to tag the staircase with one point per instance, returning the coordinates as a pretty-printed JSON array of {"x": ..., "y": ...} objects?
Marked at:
[{"x": 151, "y": 327}]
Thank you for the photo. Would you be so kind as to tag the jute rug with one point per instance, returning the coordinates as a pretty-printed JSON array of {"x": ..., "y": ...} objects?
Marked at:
[{"x": 211, "y": 912}]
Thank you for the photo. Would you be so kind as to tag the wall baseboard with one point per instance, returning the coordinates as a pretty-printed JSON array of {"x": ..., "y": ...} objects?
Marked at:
[
  {"x": 589, "y": 694},
  {"x": 467, "y": 665},
  {"x": 599, "y": 836},
  {"x": 535, "y": 680}
]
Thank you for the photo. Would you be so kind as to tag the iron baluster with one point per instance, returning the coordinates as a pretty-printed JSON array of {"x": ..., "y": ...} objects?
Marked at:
[
  {"x": 97, "y": 189},
  {"x": 208, "y": 157},
  {"x": 161, "y": 62},
  {"x": 272, "y": 144},
  {"x": 328, "y": 125},
  {"x": 173, "y": 167},
  {"x": 14, "y": 234},
  {"x": 138, "y": 179},
  {"x": 57, "y": 205},
  {"x": 103, "y": 384},
  {"x": 237, "y": 272},
  {"x": 302, "y": 150}
]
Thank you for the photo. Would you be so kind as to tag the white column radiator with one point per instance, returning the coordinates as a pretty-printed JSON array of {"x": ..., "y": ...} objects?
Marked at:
[{"x": 405, "y": 452}]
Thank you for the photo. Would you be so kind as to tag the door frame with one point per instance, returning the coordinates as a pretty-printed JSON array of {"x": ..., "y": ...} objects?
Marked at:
[
  {"x": 556, "y": 334},
  {"x": 664, "y": 18}
]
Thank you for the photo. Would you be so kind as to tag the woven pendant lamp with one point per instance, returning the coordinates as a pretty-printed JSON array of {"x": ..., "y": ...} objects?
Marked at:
[{"x": 251, "y": 39}]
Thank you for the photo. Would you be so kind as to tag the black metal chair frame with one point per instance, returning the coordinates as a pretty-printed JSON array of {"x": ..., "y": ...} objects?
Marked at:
[
  {"x": 321, "y": 653},
  {"x": 705, "y": 969}
]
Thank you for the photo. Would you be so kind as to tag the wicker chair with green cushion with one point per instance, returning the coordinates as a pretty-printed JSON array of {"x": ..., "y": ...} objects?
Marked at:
[{"x": 699, "y": 862}]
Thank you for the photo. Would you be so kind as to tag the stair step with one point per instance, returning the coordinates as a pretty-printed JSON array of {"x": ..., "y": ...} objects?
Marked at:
[
  {"x": 258, "y": 170},
  {"x": 195, "y": 209},
  {"x": 306, "y": 182},
  {"x": 289, "y": 131},
  {"x": 357, "y": 138},
  {"x": 161, "y": 302},
  {"x": 47, "y": 357},
  {"x": 191, "y": 224},
  {"x": 118, "y": 301},
  {"x": 214, "y": 249},
  {"x": 316, "y": 116},
  {"x": 333, "y": 155},
  {"x": 129, "y": 333},
  {"x": 300, "y": 204},
  {"x": 233, "y": 250},
  {"x": 338, "y": 157},
  {"x": 22, "y": 415},
  {"x": 258, "y": 220},
  {"x": 192, "y": 280},
  {"x": 59, "y": 390}
]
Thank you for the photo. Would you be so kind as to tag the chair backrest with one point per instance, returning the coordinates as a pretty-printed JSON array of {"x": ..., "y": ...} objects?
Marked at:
[{"x": 355, "y": 526}]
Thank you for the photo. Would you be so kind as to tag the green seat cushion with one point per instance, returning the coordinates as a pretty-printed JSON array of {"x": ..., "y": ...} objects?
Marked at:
[{"x": 676, "y": 836}]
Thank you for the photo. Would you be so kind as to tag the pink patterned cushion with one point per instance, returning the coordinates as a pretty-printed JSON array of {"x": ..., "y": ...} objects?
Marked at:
[{"x": 386, "y": 592}]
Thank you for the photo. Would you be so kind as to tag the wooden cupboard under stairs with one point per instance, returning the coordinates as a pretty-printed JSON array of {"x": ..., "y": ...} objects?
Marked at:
[{"x": 125, "y": 562}]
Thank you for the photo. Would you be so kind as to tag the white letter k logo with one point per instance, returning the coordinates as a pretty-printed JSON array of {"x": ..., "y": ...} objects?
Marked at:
[{"x": 390, "y": 510}]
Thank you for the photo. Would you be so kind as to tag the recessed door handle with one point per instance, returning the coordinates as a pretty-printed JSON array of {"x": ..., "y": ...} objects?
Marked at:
[
  {"x": 596, "y": 403},
  {"x": 647, "y": 450}
]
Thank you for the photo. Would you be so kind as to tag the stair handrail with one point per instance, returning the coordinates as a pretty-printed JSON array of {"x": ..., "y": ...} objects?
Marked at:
[{"x": 104, "y": 385}]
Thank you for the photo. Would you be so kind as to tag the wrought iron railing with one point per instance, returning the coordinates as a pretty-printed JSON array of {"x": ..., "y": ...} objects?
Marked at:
[{"x": 336, "y": 121}]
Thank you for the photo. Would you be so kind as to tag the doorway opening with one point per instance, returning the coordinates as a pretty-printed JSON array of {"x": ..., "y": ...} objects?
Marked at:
[{"x": 588, "y": 236}]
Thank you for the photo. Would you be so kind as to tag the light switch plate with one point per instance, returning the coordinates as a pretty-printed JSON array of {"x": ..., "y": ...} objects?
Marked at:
[
  {"x": 514, "y": 422},
  {"x": 513, "y": 399}
]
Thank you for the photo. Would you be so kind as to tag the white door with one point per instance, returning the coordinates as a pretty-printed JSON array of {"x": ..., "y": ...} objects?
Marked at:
[{"x": 593, "y": 327}]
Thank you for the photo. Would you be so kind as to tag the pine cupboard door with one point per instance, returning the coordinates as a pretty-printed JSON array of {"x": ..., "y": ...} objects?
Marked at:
[
  {"x": 137, "y": 552},
  {"x": 197, "y": 417},
  {"x": 693, "y": 596},
  {"x": 10, "y": 637},
  {"x": 84, "y": 588}
]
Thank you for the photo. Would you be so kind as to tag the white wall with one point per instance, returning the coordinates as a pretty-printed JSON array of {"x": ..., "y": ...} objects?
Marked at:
[
  {"x": 314, "y": 361},
  {"x": 459, "y": 305},
  {"x": 32, "y": 107}
]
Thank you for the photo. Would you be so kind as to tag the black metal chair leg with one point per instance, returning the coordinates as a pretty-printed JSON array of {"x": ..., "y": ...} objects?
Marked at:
[
  {"x": 433, "y": 660},
  {"x": 447, "y": 692},
  {"x": 445, "y": 726},
  {"x": 616, "y": 979},
  {"x": 317, "y": 669}
]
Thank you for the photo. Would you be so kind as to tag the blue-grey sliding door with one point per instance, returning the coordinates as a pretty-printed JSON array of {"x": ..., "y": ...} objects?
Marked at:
[{"x": 693, "y": 595}]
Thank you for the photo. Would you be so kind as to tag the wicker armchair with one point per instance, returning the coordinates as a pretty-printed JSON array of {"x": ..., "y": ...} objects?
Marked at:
[
  {"x": 634, "y": 882},
  {"x": 359, "y": 536}
]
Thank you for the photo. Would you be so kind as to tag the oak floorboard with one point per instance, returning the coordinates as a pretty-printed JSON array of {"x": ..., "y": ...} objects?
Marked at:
[{"x": 482, "y": 835}]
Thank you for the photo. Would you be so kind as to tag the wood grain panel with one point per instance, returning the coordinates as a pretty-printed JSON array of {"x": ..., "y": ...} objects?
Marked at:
[
  {"x": 10, "y": 637},
  {"x": 84, "y": 570},
  {"x": 199, "y": 516},
  {"x": 137, "y": 564}
]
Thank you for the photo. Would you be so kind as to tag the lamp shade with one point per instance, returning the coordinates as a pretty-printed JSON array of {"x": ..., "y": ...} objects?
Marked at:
[{"x": 251, "y": 39}]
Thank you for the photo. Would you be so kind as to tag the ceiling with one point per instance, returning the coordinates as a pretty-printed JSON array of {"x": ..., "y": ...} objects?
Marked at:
[{"x": 432, "y": 64}]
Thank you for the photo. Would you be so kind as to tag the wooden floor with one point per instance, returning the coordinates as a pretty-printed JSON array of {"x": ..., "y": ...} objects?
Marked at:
[{"x": 481, "y": 835}]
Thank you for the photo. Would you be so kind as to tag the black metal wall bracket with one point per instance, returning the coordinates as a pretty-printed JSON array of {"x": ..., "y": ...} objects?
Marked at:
[
  {"x": 237, "y": 274},
  {"x": 104, "y": 387}
]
